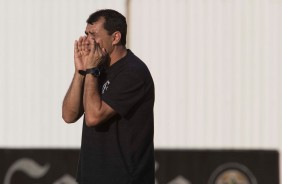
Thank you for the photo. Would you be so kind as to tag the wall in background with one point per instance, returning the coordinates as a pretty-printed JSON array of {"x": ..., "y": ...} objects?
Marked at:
[
  {"x": 217, "y": 69},
  {"x": 37, "y": 39},
  {"x": 216, "y": 66}
]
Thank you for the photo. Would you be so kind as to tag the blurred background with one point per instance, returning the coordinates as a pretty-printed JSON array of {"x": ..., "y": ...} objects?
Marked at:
[{"x": 216, "y": 66}]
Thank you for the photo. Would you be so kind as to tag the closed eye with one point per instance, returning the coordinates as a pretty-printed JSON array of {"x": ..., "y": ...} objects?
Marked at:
[{"x": 91, "y": 33}]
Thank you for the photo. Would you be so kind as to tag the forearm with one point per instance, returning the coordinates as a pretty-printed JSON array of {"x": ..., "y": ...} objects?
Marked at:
[
  {"x": 92, "y": 101},
  {"x": 72, "y": 108}
]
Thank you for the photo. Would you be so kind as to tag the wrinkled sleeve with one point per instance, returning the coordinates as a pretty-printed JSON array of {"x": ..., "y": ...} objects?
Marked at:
[{"x": 124, "y": 92}]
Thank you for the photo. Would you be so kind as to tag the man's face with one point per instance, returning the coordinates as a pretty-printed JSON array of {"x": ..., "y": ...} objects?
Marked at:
[{"x": 97, "y": 32}]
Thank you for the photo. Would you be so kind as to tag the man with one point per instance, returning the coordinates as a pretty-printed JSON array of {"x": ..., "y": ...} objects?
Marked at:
[{"x": 114, "y": 90}]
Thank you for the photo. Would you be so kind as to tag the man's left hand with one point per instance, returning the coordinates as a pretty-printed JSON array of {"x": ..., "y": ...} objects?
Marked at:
[{"x": 96, "y": 54}]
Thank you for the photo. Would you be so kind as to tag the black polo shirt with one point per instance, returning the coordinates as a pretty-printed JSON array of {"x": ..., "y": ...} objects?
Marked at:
[{"x": 121, "y": 150}]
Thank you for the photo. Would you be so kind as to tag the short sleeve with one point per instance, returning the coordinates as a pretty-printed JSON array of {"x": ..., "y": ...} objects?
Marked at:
[{"x": 124, "y": 92}]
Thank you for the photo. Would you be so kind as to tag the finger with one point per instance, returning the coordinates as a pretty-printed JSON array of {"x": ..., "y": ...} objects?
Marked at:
[
  {"x": 104, "y": 51},
  {"x": 82, "y": 44},
  {"x": 75, "y": 46},
  {"x": 95, "y": 46},
  {"x": 79, "y": 44},
  {"x": 100, "y": 51},
  {"x": 92, "y": 45},
  {"x": 86, "y": 45}
]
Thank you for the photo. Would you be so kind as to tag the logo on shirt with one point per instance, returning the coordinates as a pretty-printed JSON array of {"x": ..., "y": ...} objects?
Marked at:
[{"x": 105, "y": 86}]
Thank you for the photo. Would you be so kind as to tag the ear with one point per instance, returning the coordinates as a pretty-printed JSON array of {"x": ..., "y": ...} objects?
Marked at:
[{"x": 116, "y": 37}]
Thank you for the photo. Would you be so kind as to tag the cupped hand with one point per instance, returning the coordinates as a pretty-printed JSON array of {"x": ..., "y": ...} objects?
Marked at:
[
  {"x": 96, "y": 55},
  {"x": 81, "y": 51}
]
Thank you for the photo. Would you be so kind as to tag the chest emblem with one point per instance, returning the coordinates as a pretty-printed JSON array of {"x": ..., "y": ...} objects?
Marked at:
[{"x": 105, "y": 86}]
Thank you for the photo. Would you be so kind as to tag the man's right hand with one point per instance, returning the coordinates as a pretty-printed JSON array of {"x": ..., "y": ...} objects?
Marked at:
[{"x": 81, "y": 50}]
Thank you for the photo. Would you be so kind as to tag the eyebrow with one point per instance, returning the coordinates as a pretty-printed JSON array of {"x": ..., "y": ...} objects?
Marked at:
[{"x": 92, "y": 33}]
